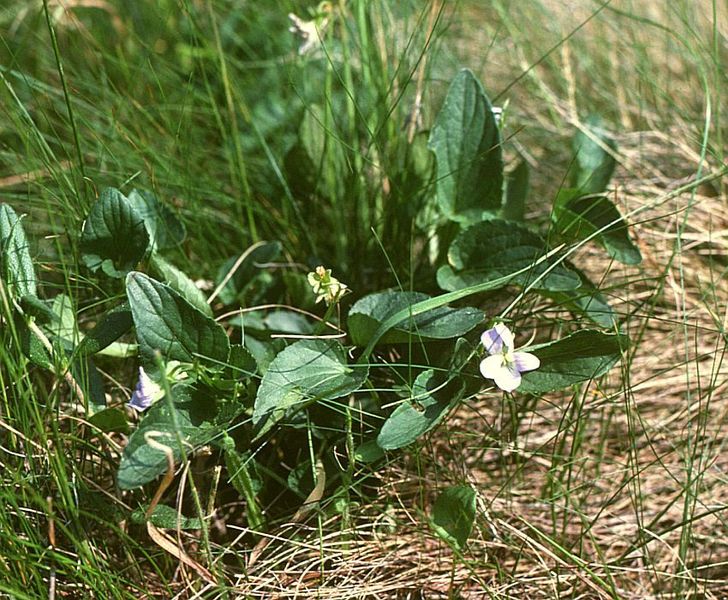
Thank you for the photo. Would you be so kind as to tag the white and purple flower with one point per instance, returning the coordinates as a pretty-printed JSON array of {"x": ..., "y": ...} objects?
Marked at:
[{"x": 504, "y": 365}]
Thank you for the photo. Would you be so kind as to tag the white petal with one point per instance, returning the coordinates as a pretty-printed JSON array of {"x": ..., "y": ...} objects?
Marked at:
[
  {"x": 491, "y": 366},
  {"x": 494, "y": 339},
  {"x": 507, "y": 379},
  {"x": 525, "y": 361}
]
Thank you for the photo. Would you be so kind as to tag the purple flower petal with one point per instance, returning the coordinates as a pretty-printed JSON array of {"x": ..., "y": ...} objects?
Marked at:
[
  {"x": 494, "y": 339},
  {"x": 145, "y": 392},
  {"x": 525, "y": 361}
]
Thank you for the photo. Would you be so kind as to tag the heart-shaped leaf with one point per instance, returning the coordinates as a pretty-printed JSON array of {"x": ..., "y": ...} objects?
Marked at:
[
  {"x": 578, "y": 217},
  {"x": 579, "y": 357},
  {"x": 428, "y": 403},
  {"x": 454, "y": 514},
  {"x": 114, "y": 238},
  {"x": 367, "y": 315},
  {"x": 494, "y": 249},
  {"x": 16, "y": 266},
  {"x": 467, "y": 144},
  {"x": 305, "y": 372},
  {"x": 167, "y": 323},
  {"x": 165, "y": 230}
]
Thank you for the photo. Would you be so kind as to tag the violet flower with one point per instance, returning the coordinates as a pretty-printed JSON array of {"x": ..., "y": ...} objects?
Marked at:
[{"x": 504, "y": 365}]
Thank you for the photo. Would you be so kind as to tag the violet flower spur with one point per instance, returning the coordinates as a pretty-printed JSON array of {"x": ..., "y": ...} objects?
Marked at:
[{"x": 504, "y": 365}]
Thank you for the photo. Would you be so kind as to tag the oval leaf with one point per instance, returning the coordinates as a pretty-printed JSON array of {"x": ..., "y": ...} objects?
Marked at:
[
  {"x": 594, "y": 164},
  {"x": 425, "y": 408},
  {"x": 579, "y": 357},
  {"x": 114, "y": 238},
  {"x": 467, "y": 144},
  {"x": 167, "y": 323},
  {"x": 305, "y": 372},
  {"x": 16, "y": 266},
  {"x": 578, "y": 217},
  {"x": 367, "y": 315},
  {"x": 494, "y": 249},
  {"x": 454, "y": 514}
]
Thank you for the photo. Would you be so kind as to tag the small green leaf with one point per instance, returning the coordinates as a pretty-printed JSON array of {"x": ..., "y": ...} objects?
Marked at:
[
  {"x": 368, "y": 314},
  {"x": 114, "y": 238},
  {"x": 466, "y": 141},
  {"x": 16, "y": 265},
  {"x": 241, "y": 362},
  {"x": 428, "y": 403},
  {"x": 368, "y": 452},
  {"x": 305, "y": 372},
  {"x": 165, "y": 230},
  {"x": 495, "y": 249},
  {"x": 180, "y": 283},
  {"x": 110, "y": 420},
  {"x": 246, "y": 272},
  {"x": 454, "y": 514},
  {"x": 578, "y": 217},
  {"x": 167, "y": 323},
  {"x": 111, "y": 326},
  {"x": 579, "y": 357},
  {"x": 594, "y": 164},
  {"x": 586, "y": 300},
  {"x": 514, "y": 206}
]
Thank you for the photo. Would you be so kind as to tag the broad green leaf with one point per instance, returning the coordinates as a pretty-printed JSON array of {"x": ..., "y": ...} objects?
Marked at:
[
  {"x": 180, "y": 283},
  {"x": 578, "y": 217},
  {"x": 495, "y": 249},
  {"x": 368, "y": 313},
  {"x": 167, "y": 323},
  {"x": 424, "y": 409},
  {"x": 305, "y": 372},
  {"x": 594, "y": 164},
  {"x": 514, "y": 206},
  {"x": 166, "y": 517},
  {"x": 579, "y": 357},
  {"x": 368, "y": 452},
  {"x": 190, "y": 419},
  {"x": 114, "y": 238},
  {"x": 246, "y": 271},
  {"x": 586, "y": 300},
  {"x": 467, "y": 144},
  {"x": 111, "y": 326},
  {"x": 454, "y": 514},
  {"x": 16, "y": 266},
  {"x": 165, "y": 230}
]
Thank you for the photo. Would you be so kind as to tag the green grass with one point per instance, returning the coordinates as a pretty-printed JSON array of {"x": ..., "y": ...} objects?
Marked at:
[{"x": 616, "y": 490}]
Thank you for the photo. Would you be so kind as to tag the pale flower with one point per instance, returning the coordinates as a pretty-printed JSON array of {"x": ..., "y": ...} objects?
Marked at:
[
  {"x": 504, "y": 365},
  {"x": 145, "y": 393},
  {"x": 325, "y": 286}
]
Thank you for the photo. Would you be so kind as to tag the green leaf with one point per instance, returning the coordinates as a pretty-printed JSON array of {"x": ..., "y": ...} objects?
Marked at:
[
  {"x": 270, "y": 321},
  {"x": 114, "y": 238},
  {"x": 586, "y": 300},
  {"x": 579, "y": 357},
  {"x": 368, "y": 313},
  {"x": 594, "y": 164},
  {"x": 241, "y": 362},
  {"x": 428, "y": 403},
  {"x": 246, "y": 272},
  {"x": 165, "y": 230},
  {"x": 64, "y": 325},
  {"x": 166, "y": 517},
  {"x": 514, "y": 206},
  {"x": 495, "y": 249},
  {"x": 180, "y": 283},
  {"x": 578, "y": 217},
  {"x": 305, "y": 372},
  {"x": 167, "y": 323},
  {"x": 110, "y": 328},
  {"x": 110, "y": 420},
  {"x": 467, "y": 144},
  {"x": 16, "y": 266},
  {"x": 189, "y": 419},
  {"x": 454, "y": 514},
  {"x": 368, "y": 452}
]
